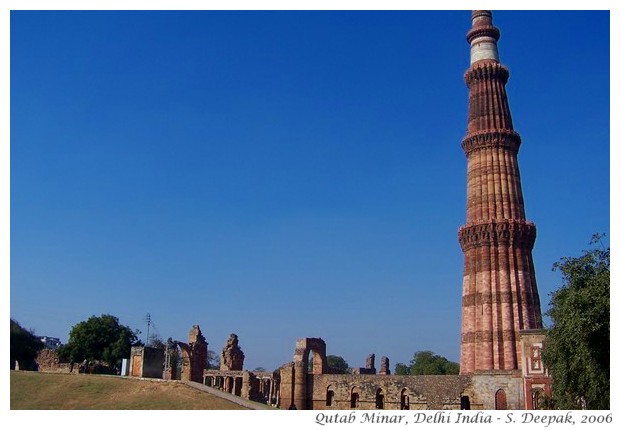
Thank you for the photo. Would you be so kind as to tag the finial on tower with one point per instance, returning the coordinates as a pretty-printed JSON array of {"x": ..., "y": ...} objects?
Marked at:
[{"x": 483, "y": 37}]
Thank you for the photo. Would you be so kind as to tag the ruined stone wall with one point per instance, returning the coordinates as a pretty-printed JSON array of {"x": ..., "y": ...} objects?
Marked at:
[
  {"x": 232, "y": 356},
  {"x": 395, "y": 391},
  {"x": 48, "y": 361},
  {"x": 193, "y": 356},
  {"x": 287, "y": 382}
]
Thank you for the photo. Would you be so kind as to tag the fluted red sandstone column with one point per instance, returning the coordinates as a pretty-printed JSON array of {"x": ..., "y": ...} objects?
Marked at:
[{"x": 500, "y": 296}]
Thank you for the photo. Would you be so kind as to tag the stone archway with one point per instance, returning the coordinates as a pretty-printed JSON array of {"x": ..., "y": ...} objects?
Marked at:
[
  {"x": 193, "y": 356},
  {"x": 404, "y": 399},
  {"x": 296, "y": 382},
  {"x": 379, "y": 399},
  {"x": 302, "y": 353},
  {"x": 302, "y": 378}
]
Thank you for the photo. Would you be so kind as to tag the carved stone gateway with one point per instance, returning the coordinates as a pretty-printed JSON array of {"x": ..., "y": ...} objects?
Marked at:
[{"x": 232, "y": 356}]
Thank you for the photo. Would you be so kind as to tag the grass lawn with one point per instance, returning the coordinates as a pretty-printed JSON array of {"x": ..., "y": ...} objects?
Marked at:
[{"x": 36, "y": 390}]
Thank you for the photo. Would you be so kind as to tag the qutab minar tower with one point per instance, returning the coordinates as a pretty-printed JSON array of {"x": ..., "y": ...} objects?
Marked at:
[{"x": 500, "y": 297}]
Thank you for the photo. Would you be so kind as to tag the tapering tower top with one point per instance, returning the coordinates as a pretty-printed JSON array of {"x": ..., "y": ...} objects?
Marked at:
[{"x": 483, "y": 37}]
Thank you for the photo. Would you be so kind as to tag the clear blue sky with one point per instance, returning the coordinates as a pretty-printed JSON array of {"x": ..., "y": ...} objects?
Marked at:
[{"x": 283, "y": 175}]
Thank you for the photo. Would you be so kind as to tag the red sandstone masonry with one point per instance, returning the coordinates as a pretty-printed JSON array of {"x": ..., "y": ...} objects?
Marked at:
[{"x": 500, "y": 295}]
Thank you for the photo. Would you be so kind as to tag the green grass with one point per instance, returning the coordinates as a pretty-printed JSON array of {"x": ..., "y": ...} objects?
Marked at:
[{"x": 36, "y": 390}]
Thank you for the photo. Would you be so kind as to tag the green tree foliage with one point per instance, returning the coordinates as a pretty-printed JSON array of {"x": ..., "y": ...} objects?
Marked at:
[
  {"x": 429, "y": 363},
  {"x": 24, "y": 345},
  {"x": 337, "y": 364},
  {"x": 99, "y": 338},
  {"x": 213, "y": 360},
  {"x": 157, "y": 342},
  {"x": 576, "y": 349},
  {"x": 401, "y": 369}
]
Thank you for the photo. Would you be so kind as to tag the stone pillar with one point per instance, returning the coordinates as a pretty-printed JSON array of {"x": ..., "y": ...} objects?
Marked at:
[
  {"x": 299, "y": 393},
  {"x": 370, "y": 363},
  {"x": 385, "y": 366},
  {"x": 287, "y": 383},
  {"x": 198, "y": 357},
  {"x": 246, "y": 387}
]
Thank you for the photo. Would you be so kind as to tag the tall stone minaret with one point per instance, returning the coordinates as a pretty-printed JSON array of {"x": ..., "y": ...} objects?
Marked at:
[{"x": 500, "y": 296}]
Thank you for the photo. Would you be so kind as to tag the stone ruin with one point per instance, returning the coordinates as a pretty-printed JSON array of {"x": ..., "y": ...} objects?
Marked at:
[
  {"x": 193, "y": 357},
  {"x": 370, "y": 363},
  {"x": 385, "y": 366},
  {"x": 315, "y": 387},
  {"x": 369, "y": 369},
  {"x": 232, "y": 357}
]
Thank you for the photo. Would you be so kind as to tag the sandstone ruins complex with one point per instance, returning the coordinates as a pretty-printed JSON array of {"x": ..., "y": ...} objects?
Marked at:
[{"x": 502, "y": 336}]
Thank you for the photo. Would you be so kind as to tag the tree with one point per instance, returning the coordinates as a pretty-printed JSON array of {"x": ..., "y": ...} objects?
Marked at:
[
  {"x": 401, "y": 369},
  {"x": 213, "y": 360},
  {"x": 429, "y": 363},
  {"x": 337, "y": 364},
  {"x": 157, "y": 342},
  {"x": 24, "y": 346},
  {"x": 577, "y": 346},
  {"x": 99, "y": 338}
]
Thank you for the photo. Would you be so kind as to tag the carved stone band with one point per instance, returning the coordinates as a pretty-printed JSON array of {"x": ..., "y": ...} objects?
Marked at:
[
  {"x": 493, "y": 233},
  {"x": 486, "y": 31},
  {"x": 507, "y": 139},
  {"x": 485, "y": 71}
]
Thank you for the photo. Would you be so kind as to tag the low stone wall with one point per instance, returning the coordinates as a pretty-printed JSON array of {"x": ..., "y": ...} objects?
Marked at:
[{"x": 48, "y": 361}]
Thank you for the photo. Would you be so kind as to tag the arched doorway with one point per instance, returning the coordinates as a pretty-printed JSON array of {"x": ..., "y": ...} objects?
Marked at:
[
  {"x": 404, "y": 399},
  {"x": 538, "y": 397},
  {"x": 355, "y": 398},
  {"x": 329, "y": 396},
  {"x": 380, "y": 399},
  {"x": 500, "y": 400}
]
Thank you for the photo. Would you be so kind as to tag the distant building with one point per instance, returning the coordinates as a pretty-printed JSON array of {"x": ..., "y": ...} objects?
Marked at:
[{"x": 50, "y": 342}]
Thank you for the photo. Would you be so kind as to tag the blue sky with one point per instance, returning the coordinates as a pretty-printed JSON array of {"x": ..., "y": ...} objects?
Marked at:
[{"x": 283, "y": 175}]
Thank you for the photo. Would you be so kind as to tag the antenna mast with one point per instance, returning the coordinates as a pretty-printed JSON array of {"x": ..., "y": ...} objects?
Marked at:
[{"x": 148, "y": 327}]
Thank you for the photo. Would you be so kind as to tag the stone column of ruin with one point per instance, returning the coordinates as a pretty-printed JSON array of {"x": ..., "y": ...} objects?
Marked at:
[
  {"x": 299, "y": 390},
  {"x": 500, "y": 296}
]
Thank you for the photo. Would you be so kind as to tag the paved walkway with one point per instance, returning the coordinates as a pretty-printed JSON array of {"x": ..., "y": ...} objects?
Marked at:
[{"x": 227, "y": 396}]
